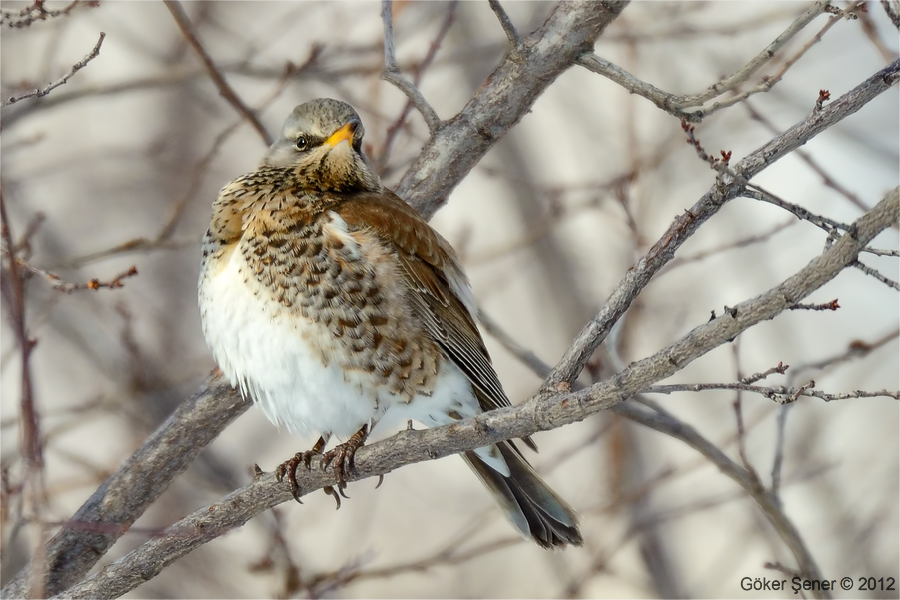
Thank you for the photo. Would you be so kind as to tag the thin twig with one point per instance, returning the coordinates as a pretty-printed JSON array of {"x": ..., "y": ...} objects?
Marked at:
[
  {"x": 62, "y": 80},
  {"x": 394, "y": 129},
  {"x": 780, "y": 393},
  {"x": 873, "y": 273},
  {"x": 827, "y": 179},
  {"x": 780, "y": 368},
  {"x": 880, "y": 252},
  {"x": 757, "y": 193},
  {"x": 677, "y": 105},
  {"x": 392, "y": 73},
  {"x": 508, "y": 28},
  {"x": 67, "y": 287},
  {"x": 37, "y": 12},
  {"x": 187, "y": 29}
]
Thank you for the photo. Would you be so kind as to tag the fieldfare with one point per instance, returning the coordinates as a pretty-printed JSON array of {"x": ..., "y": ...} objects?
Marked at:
[{"x": 336, "y": 307}]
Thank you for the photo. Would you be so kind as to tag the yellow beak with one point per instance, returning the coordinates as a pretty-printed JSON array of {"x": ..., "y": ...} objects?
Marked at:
[{"x": 344, "y": 133}]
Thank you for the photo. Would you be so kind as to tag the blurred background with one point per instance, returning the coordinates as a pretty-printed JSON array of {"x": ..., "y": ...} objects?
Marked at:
[{"x": 119, "y": 167}]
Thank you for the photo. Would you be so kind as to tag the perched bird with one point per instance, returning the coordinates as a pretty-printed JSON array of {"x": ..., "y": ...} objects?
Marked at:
[{"x": 336, "y": 307}]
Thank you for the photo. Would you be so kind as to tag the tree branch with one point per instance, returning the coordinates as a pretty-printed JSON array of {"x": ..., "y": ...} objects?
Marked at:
[
  {"x": 540, "y": 413},
  {"x": 637, "y": 278},
  {"x": 392, "y": 73},
  {"x": 503, "y": 100}
]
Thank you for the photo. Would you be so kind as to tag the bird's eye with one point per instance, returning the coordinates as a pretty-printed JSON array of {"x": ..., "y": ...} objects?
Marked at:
[{"x": 302, "y": 143}]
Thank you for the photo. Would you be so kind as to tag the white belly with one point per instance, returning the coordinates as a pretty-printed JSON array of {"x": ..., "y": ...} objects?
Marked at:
[{"x": 276, "y": 356}]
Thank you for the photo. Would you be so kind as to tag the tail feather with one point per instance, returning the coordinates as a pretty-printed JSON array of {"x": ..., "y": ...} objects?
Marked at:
[{"x": 527, "y": 501}]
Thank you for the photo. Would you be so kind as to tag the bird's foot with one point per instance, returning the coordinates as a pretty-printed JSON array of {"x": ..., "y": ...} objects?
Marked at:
[
  {"x": 289, "y": 468},
  {"x": 342, "y": 456}
]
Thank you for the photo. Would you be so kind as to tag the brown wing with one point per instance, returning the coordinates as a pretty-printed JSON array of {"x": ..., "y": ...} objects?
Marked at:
[{"x": 431, "y": 270}]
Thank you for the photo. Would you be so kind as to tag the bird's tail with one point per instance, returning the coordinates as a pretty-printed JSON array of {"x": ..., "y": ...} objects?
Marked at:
[{"x": 527, "y": 501}]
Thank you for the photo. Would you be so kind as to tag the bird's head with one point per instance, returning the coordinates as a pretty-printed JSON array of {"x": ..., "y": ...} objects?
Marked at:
[{"x": 322, "y": 142}]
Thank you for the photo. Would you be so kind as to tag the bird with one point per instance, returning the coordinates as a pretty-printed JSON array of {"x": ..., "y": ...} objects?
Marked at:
[{"x": 329, "y": 301}]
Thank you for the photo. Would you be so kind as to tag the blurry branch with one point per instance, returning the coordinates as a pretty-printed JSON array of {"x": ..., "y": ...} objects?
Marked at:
[
  {"x": 308, "y": 70},
  {"x": 540, "y": 413},
  {"x": 392, "y": 73},
  {"x": 62, "y": 80},
  {"x": 637, "y": 278},
  {"x": 677, "y": 105},
  {"x": 14, "y": 305},
  {"x": 804, "y": 155},
  {"x": 165, "y": 237},
  {"x": 67, "y": 287},
  {"x": 320, "y": 585},
  {"x": 503, "y": 100},
  {"x": 740, "y": 243},
  {"x": 37, "y": 12},
  {"x": 31, "y": 443},
  {"x": 127, "y": 493},
  {"x": 187, "y": 29},
  {"x": 856, "y": 349}
]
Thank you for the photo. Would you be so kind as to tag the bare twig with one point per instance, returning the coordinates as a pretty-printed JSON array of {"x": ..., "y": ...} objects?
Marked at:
[
  {"x": 833, "y": 305},
  {"x": 873, "y": 273},
  {"x": 781, "y": 368},
  {"x": 783, "y": 394},
  {"x": 856, "y": 349},
  {"x": 508, "y": 28},
  {"x": 62, "y": 80},
  {"x": 417, "y": 77},
  {"x": 392, "y": 73},
  {"x": 67, "y": 287},
  {"x": 757, "y": 193},
  {"x": 214, "y": 73},
  {"x": 677, "y": 105},
  {"x": 880, "y": 252},
  {"x": 37, "y": 12}
]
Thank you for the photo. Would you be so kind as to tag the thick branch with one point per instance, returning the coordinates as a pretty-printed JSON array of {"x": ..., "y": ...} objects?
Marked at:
[
  {"x": 126, "y": 494},
  {"x": 538, "y": 414}
]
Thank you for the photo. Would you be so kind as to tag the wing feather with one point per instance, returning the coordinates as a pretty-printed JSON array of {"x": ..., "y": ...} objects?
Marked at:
[{"x": 436, "y": 283}]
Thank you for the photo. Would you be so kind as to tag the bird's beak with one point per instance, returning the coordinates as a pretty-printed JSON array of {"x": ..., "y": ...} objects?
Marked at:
[{"x": 344, "y": 133}]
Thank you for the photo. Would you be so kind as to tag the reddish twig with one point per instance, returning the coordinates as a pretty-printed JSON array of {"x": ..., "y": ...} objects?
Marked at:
[{"x": 833, "y": 305}]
